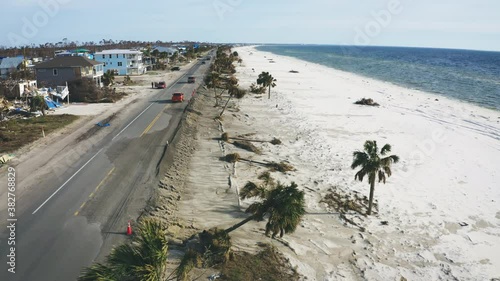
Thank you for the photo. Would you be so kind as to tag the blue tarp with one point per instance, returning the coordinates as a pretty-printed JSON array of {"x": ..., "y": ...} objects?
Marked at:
[{"x": 51, "y": 104}]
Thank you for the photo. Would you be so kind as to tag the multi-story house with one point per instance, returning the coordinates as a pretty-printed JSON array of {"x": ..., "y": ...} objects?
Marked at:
[
  {"x": 60, "y": 70},
  {"x": 122, "y": 62}
]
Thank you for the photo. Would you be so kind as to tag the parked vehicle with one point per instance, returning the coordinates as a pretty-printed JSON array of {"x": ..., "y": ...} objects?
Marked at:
[
  {"x": 178, "y": 97},
  {"x": 191, "y": 79},
  {"x": 175, "y": 68},
  {"x": 161, "y": 85}
]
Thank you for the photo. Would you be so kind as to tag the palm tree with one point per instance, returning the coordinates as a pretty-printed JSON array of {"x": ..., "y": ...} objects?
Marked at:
[
  {"x": 233, "y": 91},
  {"x": 108, "y": 78},
  {"x": 38, "y": 103},
  {"x": 373, "y": 165},
  {"x": 282, "y": 205},
  {"x": 143, "y": 259},
  {"x": 266, "y": 80},
  {"x": 212, "y": 80}
]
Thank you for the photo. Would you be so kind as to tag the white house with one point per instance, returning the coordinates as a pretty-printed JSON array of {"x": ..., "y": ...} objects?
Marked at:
[{"x": 124, "y": 62}]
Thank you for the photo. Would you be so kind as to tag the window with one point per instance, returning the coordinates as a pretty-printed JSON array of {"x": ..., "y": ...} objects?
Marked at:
[
  {"x": 103, "y": 56},
  {"x": 116, "y": 55},
  {"x": 119, "y": 63},
  {"x": 123, "y": 55},
  {"x": 110, "y": 56},
  {"x": 54, "y": 71}
]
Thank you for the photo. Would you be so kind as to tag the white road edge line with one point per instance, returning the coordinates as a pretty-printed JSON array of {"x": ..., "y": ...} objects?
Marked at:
[
  {"x": 55, "y": 192},
  {"x": 132, "y": 122}
]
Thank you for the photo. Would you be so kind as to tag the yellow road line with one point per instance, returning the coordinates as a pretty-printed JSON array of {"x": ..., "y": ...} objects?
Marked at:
[
  {"x": 95, "y": 191},
  {"x": 153, "y": 122},
  {"x": 102, "y": 182}
]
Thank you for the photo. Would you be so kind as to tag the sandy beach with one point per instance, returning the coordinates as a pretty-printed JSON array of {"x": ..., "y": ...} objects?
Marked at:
[{"x": 439, "y": 214}]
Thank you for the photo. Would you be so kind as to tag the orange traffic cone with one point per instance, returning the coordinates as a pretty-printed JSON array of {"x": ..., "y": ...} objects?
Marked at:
[{"x": 129, "y": 229}]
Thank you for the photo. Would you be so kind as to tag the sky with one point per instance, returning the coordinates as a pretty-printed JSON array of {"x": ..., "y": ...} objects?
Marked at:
[{"x": 460, "y": 24}]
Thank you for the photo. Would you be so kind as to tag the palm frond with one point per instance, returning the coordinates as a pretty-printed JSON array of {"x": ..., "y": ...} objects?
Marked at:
[
  {"x": 256, "y": 209},
  {"x": 386, "y": 148},
  {"x": 251, "y": 190},
  {"x": 387, "y": 170},
  {"x": 359, "y": 159},
  {"x": 98, "y": 272},
  {"x": 370, "y": 147},
  {"x": 395, "y": 158},
  {"x": 372, "y": 176},
  {"x": 387, "y": 161},
  {"x": 381, "y": 176}
]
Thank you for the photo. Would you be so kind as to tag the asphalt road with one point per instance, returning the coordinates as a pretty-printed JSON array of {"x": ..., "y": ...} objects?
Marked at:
[{"x": 79, "y": 211}]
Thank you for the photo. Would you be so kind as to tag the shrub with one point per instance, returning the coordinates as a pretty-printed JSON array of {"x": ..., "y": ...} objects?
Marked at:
[
  {"x": 232, "y": 158},
  {"x": 276, "y": 141},
  {"x": 254, "y": 88}
]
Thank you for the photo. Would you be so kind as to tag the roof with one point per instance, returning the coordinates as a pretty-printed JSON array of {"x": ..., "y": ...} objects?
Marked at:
[
  {"x": 81, "y": 50},
  {"x": 118, "y": 51},
  {"x": 72, "y": 61},
  {"x": 165, "y": 49},
  {"x": 8, "y": 63}
]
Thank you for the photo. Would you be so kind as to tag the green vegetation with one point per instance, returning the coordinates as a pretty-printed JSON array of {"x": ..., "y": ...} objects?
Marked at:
[
  {"x": 108, "y": 78},
  {"x": 373, "y": 165},
  {"x": 127, "y": 81},
  {"x": 144, "y": 258},
  {"x": 16, "y": 133},
  {"x": 38, "y": 103},
  {"x": 257, "y": 89},
  {"x": 282, "y": 205},
  {"x": 211, "y": 248},
  {"x": 267, "y": 81}
]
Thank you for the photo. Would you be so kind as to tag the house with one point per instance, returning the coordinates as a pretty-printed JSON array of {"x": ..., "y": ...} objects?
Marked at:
[
  {"x": 170, "y": 51},
  {"x": 9, "y": 64},
  {"x": 60, "y": 70},
  {"x": 78, "y": 52},
  {"x": 122, "y": 62}
]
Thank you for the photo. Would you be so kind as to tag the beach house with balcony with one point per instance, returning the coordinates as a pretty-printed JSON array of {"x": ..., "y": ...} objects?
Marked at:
[
  {"x": 63, "y": 69},
  {"x": 122, "y": 62}
]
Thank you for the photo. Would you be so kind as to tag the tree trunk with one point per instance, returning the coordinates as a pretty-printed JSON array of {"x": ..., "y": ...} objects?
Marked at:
[
  {"x": 250, "y": 140},
  {"x": 239, "y": 224},
  {"x": 254, "y": 162},
  {"x": 370, "y": 202},
  {"x": 215, "y": 95},
  {"x": 223, "y": 109},
  {"x": 269, "y": 94}
]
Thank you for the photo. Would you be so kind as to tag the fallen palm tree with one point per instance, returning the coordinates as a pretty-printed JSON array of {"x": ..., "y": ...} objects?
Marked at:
[
  {"x": 273, "y": 166},
  {"x": 225, "y": 137}
]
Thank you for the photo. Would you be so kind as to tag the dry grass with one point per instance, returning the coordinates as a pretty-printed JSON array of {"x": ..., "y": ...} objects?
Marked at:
[
  {"x": 246, "y": 145},
  {"x": 232, "y": 158},
  {"x": 268, "y": 265},
  {"x": 280, "y": 167},
  {"x": 16, "y": 133}
]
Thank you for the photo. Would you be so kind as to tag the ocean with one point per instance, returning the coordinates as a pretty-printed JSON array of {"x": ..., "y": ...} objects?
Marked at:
[{"x": 466, "y": 75}]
